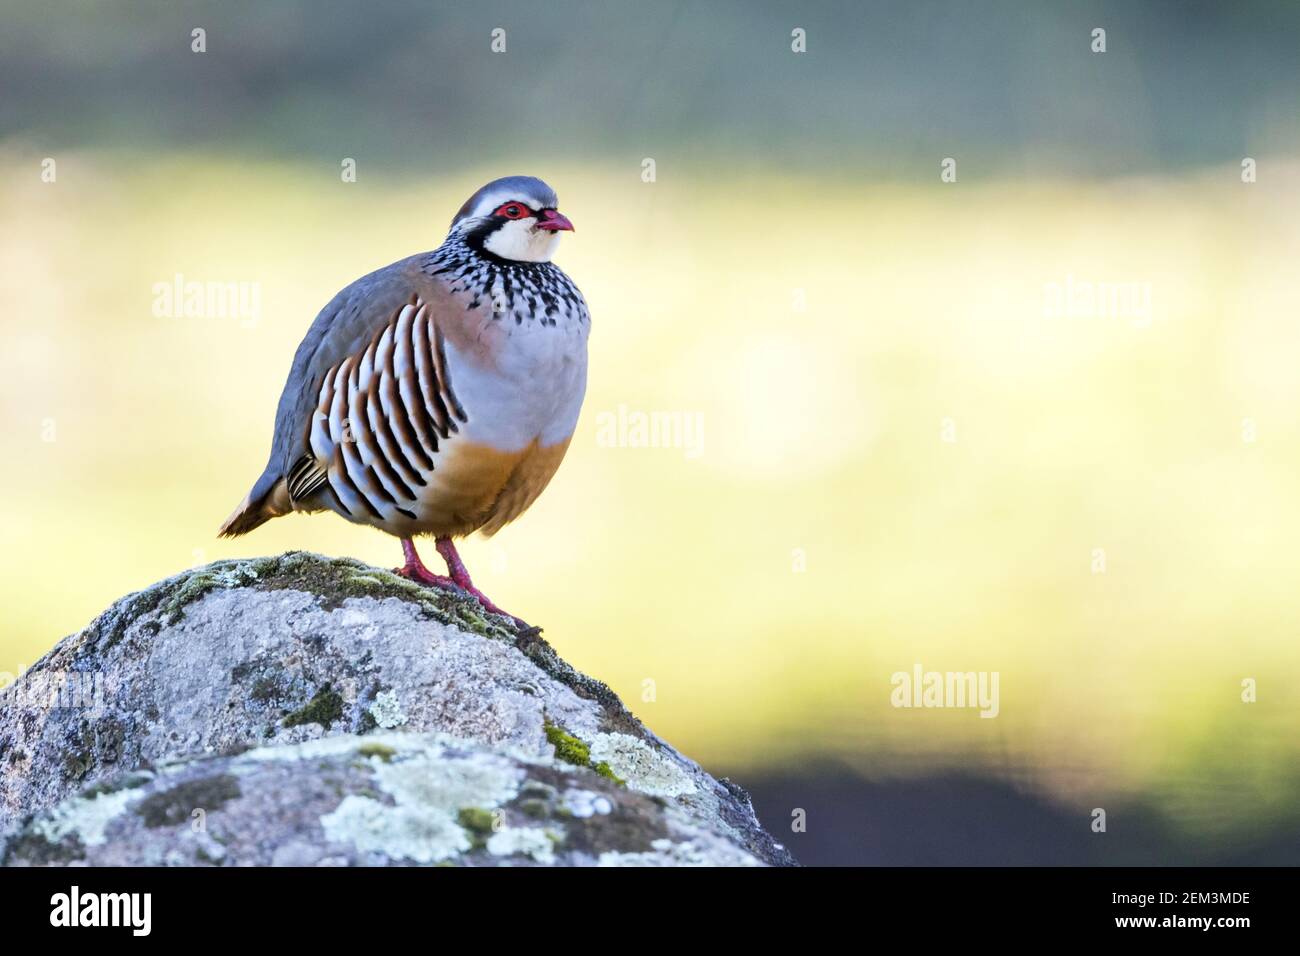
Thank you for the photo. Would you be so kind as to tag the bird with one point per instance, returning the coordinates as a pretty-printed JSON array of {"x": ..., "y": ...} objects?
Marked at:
[{"x": 438, "y": 395}]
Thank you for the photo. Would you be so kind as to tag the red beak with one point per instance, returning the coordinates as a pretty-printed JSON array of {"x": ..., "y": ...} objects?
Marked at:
[{"x": 554, "y": 221}]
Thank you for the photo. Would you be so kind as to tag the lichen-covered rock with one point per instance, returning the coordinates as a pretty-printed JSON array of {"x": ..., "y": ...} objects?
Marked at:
[
  {"x": 300, "y": 710},
  {"x": 383, "y": 799}
]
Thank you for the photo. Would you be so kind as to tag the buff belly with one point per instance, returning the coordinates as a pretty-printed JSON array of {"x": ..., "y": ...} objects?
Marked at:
[{"x": 479, "y": 488}]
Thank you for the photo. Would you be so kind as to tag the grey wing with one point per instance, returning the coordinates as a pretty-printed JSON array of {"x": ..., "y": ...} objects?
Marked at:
[{"x": 344, "y": 327}]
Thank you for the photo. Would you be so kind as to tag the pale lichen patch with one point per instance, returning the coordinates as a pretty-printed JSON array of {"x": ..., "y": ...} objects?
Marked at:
[
  {"x": 199, "y": 583},
  {"x": 86, "y": 817},
  {"x": 245, "y": 572},
  {"x": 449, "y": 781},
  {"x": 587, "y": 803},
  {"x": 387, "y": 710},
  {"x": 420, "y": 834},
  {"x": 641, "y": 766},
  {"x": 532, "y": 842},
  {"x": 429, "y": 791}
]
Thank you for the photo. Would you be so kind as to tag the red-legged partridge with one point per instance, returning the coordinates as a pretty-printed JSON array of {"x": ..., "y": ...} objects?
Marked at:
[{"x": 437, "y": 395}]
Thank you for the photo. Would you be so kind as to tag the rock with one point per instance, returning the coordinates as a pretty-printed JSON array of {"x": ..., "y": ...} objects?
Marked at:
[{"x": 306, "y": 711}]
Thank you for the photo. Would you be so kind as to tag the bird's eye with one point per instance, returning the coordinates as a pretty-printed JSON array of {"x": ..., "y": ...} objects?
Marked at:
[{"x": 512, "y": 210}]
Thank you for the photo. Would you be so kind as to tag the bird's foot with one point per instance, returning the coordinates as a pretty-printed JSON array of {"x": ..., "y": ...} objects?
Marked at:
[
  {"x": 422, "y": 575},
  {"x": 460, "y": 575},
  {"x": 414, "y": 570}
]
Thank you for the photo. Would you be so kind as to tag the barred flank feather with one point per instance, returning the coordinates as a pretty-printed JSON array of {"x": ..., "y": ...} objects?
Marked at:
[{"x": 382, "y": 416}]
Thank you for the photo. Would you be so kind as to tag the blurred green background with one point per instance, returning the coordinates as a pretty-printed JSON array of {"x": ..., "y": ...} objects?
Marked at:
[{"x": 908, "y": 455}]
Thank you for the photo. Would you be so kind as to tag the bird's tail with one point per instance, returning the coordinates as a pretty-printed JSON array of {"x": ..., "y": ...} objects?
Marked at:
[{"x": 259, "y": 507}]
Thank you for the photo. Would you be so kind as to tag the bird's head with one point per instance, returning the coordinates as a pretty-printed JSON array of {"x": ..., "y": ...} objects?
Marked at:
[{"x": 513, "y": 218}]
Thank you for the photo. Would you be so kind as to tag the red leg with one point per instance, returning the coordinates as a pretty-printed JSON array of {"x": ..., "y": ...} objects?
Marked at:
[
  {"x": 416, "y": 571},
  {"x": 459, "y": 580},
  {"x": 460, "y": 574}
]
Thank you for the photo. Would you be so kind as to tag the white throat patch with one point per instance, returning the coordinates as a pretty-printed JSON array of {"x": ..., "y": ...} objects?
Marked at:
[{"x": 521, "y": 241}]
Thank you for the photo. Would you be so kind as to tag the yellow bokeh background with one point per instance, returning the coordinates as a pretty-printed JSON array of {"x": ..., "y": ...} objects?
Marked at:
[{"x": 906, "y": 457}]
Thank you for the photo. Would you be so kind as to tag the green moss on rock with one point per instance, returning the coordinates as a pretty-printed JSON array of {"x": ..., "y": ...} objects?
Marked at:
[
  {"x": 324, "y": 708},
  {"x": 334, "y": 580},
  {"x": 567, "y": 747},
  {"x": 477, "y": 820},
  {"x": 537, "y": 809},
  {"x": 375, "y": 749},
  {"x": 572, "y": 750},
  {"x": 603, "y": 769}
]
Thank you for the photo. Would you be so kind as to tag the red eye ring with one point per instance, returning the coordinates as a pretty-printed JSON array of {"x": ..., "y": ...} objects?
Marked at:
[{"x": 513, "y": 210}]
